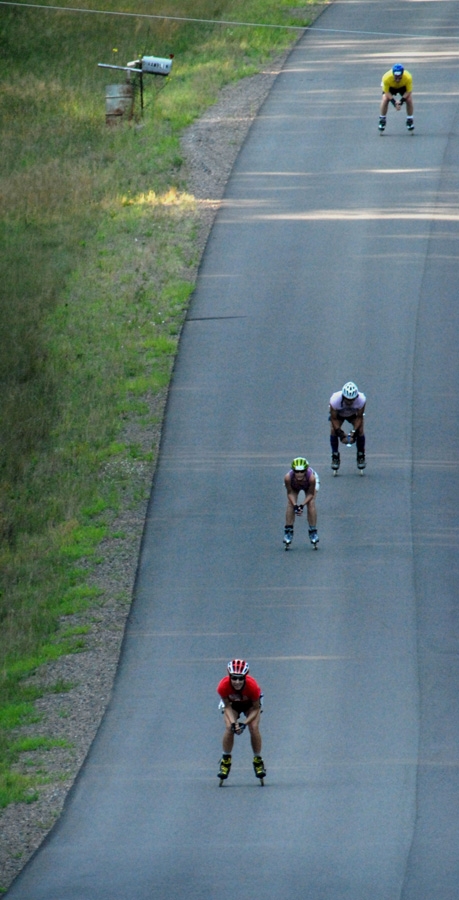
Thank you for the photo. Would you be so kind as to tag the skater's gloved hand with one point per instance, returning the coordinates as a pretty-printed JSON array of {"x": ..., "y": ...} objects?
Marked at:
[
  {"x": 298, "y": 509},
  {"x": 237, "y": 727}
]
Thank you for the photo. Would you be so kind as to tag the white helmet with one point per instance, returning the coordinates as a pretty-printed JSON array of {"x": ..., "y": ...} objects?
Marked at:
[{"x": 350, "y": 390}]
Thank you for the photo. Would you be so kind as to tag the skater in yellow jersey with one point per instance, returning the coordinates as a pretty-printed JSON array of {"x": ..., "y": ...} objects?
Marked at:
[{"x": 397, "y": 88}]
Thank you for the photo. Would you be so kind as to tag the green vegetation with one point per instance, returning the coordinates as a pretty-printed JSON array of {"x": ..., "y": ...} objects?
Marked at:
[{"x": 97, "y": 251}]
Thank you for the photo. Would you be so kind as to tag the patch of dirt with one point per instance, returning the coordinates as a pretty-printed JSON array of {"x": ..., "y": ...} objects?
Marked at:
[{"x": 209, "y": 147}]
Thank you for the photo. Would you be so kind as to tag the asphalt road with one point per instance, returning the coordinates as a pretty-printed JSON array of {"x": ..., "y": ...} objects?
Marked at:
[{"x": 335, "y": 257}]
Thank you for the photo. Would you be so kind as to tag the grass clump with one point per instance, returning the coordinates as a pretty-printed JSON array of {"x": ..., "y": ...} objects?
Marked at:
[{"x": 97, "y": 253}]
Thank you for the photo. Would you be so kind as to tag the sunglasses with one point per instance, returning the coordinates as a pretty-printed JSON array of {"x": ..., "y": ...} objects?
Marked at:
[{"x": 237, "y": 678}]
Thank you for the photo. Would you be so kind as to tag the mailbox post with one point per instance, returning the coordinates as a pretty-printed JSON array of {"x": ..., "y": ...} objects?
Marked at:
[{"x": 146, "y": 65}]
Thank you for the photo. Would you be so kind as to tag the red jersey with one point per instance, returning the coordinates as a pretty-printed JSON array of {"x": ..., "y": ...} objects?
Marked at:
[{"x": 250, "y": 692}]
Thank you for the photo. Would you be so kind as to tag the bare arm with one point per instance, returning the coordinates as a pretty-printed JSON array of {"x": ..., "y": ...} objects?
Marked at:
[
  {"x": 311, "y": 490},
  {"x": 359, "y": 418},
  {"x": 229, "y": 714},
  {"x": 336, "y": 423},
  {"x": 291, "y": 495}
]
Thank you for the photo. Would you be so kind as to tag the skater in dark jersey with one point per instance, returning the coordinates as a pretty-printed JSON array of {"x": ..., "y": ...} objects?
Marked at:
[{"x": 301, "y": 477}]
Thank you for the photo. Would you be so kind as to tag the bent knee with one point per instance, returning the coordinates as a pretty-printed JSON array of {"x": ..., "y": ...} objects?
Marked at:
[{"x": 255, "y": 723}]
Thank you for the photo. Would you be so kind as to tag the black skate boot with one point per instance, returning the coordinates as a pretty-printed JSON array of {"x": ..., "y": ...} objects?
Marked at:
[
  {"x": 382, "y": 123},
  {"x": 335, "y": 462},
  {"x": 410, "y": 123},
  {"x": 225, "y": 766},
  {"x": 361, "y": 460},
  {"x": 313, "y": 536},
  {"x": 288, "y": 536},
  {"x": 259, "y": 767}
]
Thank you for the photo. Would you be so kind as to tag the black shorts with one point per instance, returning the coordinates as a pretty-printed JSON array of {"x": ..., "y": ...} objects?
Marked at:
[
  {"x": 396, "y": 90},
  {"x": 241, "y": 706}
]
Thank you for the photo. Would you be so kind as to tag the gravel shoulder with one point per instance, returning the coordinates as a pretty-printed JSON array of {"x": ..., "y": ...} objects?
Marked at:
[{"x": 209, "y": 147}]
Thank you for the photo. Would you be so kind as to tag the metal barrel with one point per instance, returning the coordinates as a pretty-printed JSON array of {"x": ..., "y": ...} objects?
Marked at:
[{"x": 119, "y": 103}]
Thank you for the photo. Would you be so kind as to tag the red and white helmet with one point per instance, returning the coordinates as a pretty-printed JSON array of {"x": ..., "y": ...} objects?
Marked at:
[{"x": 238, "y": 667}]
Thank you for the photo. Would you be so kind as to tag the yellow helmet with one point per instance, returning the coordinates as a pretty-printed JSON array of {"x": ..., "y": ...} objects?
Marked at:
[{"x": 299, "y": 464}]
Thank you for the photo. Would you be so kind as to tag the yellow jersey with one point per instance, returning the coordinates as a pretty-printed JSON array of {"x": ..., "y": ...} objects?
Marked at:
[{"x": 391, "y": 86}]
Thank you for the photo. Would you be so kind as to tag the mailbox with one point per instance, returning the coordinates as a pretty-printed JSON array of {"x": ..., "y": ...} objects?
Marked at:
[
  {"x": 155, "y": 65},
  {"x": 147, "y": 65}
]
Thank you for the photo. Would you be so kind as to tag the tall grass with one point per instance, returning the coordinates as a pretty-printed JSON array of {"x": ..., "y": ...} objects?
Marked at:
[{"x": 97, "y": 251}]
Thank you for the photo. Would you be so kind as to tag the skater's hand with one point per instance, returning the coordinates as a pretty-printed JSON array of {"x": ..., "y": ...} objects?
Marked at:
[
  {"x": 298, "y": 509},
  {"x": 238, "y": 727}
]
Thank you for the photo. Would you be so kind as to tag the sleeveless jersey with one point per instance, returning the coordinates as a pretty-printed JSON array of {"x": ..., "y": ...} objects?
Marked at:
[
  {"x": 346, "y": 410},
  {"x": 303, "y": 486}
]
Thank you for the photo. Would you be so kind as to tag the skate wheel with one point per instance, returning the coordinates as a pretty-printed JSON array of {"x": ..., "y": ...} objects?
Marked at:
[
  {"x": 361, "y": 472},
  {"x": 222, "y": 781},
  {"x": 335, "y": 472},
  {"x": 315, "y": 547},
  {"x": 262, "y": 781}
]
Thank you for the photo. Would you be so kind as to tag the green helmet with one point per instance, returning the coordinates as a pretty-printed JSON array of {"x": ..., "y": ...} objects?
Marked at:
[{"x": 299, "y": 464}]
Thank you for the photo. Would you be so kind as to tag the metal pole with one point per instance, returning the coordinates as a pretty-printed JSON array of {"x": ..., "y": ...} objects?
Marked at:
[{"x": 123, "y": 68}]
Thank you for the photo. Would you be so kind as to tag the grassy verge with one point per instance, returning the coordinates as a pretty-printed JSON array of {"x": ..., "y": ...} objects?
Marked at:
[{"x": 98, "y": 251}]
